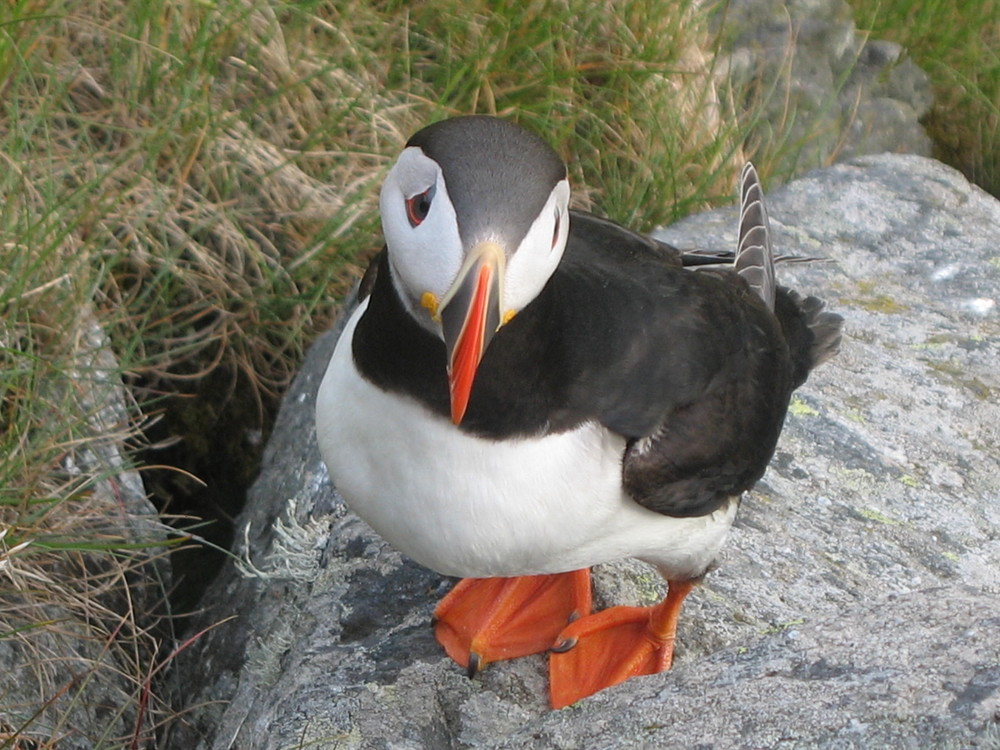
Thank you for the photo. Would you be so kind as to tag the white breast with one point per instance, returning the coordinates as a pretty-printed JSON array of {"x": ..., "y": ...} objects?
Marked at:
[{"x": 474, "y": 507}]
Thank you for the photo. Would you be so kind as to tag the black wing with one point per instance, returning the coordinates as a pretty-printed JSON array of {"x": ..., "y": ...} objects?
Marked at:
[{"x": 719, "y": 444}]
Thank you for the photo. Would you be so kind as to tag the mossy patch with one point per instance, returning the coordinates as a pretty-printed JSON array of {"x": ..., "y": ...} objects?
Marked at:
[
  {"x": 954, "y": 373},
  {"x": 877, "y": 516},
  {"x": 800, "y": 408}
]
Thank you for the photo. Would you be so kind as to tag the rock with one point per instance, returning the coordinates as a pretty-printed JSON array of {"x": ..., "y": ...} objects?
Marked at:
[
  {"x": 856, "y": 604},
  {"x": 823, "y": 89}
]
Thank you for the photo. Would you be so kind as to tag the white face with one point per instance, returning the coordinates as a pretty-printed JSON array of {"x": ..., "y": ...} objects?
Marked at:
[
  {"x": 426, "y": 250},
  {"x": 540, "y": 251},
  {"x": 427, "y": 256}
]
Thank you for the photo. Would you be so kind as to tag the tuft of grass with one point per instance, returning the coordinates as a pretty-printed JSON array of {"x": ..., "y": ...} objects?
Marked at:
[{"x": 958, "y": 44}]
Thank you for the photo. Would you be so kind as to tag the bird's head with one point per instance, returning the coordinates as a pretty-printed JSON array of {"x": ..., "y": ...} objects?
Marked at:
[{"x": 475, "y": 213}]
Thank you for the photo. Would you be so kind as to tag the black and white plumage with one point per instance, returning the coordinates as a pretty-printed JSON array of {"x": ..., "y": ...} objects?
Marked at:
[{"x": 532, "y": 390}]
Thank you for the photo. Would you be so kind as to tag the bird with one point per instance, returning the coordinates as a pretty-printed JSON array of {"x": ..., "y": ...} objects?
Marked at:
[{"x": 525, "y": 391}]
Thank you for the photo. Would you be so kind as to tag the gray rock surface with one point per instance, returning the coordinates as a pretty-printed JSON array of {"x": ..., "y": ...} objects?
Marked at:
[
  {"x": 857, "y": 603},
  {"x": 824, "y": 89}
]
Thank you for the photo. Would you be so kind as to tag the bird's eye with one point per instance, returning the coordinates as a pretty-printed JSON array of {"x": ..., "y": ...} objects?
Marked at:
[
  {"x": 555, "y": 232},
  {"x": 419, "y": 206}
]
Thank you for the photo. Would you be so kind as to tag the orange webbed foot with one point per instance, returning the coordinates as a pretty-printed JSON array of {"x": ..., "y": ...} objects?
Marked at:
[
  {"x": 609, "y": 647},
  {"x": 483, "y": 620}
]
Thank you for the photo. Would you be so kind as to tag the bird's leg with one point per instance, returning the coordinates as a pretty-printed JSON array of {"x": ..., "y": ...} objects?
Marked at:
[
  {"x": 609, "y": 647},
  {"x": 483, "y": 620}
]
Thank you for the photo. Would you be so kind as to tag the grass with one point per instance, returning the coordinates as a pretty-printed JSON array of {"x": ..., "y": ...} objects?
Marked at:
[
  {"x": 190, "y": 187},
  {"x": 958, "y": 44}
]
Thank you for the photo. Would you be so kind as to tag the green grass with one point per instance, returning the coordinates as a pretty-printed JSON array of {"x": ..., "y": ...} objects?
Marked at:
[{"x": 958, "y": 43}]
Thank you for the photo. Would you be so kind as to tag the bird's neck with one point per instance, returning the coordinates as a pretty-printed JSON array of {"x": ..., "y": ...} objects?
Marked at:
[
  {"x": 518, "y": 388},
  {"x": 395, "y": 352}
]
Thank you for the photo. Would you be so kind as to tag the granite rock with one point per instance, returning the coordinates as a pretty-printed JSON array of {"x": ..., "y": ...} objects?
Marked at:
[
  {"x": 824, "y": 89},
  {"x": 857, "y": 603}
]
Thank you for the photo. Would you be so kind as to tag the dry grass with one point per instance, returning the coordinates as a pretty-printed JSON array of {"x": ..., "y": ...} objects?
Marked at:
[
  {"x": 82, "y": 579},
  {"x": 80, "y": 642}
]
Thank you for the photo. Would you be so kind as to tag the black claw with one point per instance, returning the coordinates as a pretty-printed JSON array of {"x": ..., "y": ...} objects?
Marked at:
[
  {"x": 563, "y": 646},
  {"x": 475, "y": 664},
  {"x": 574, "y": 616}
]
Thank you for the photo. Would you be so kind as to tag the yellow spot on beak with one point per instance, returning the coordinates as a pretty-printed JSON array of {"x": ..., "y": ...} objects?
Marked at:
[
  {"x": 508, "y": 316},
  {"x": 429, "y": 300}
]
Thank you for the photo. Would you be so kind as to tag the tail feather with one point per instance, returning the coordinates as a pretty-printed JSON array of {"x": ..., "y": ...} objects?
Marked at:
[
  {"x": 754, "y": 255},
  {"x": 697, "y": 258},
  {"x": 812, "y": 333},
  {"x": 826, "y": 330}
]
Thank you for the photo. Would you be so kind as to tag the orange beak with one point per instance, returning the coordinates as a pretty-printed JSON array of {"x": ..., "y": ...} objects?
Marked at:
[{"x": 470, "y": 315}]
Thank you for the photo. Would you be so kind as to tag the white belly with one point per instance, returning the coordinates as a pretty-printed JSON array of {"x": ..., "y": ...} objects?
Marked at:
[{"x": 476, "y": 507}]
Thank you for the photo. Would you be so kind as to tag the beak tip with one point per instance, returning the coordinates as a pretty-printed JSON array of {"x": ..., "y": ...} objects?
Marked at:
[{"x": 459, "y": 403}]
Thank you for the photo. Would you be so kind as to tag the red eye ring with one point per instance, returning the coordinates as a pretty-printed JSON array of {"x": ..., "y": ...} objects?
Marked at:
[{"x": 418, "y": 206}]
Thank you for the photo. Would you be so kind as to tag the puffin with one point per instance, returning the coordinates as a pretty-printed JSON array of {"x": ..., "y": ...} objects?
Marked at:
[{"x": 524, "y": 391}]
